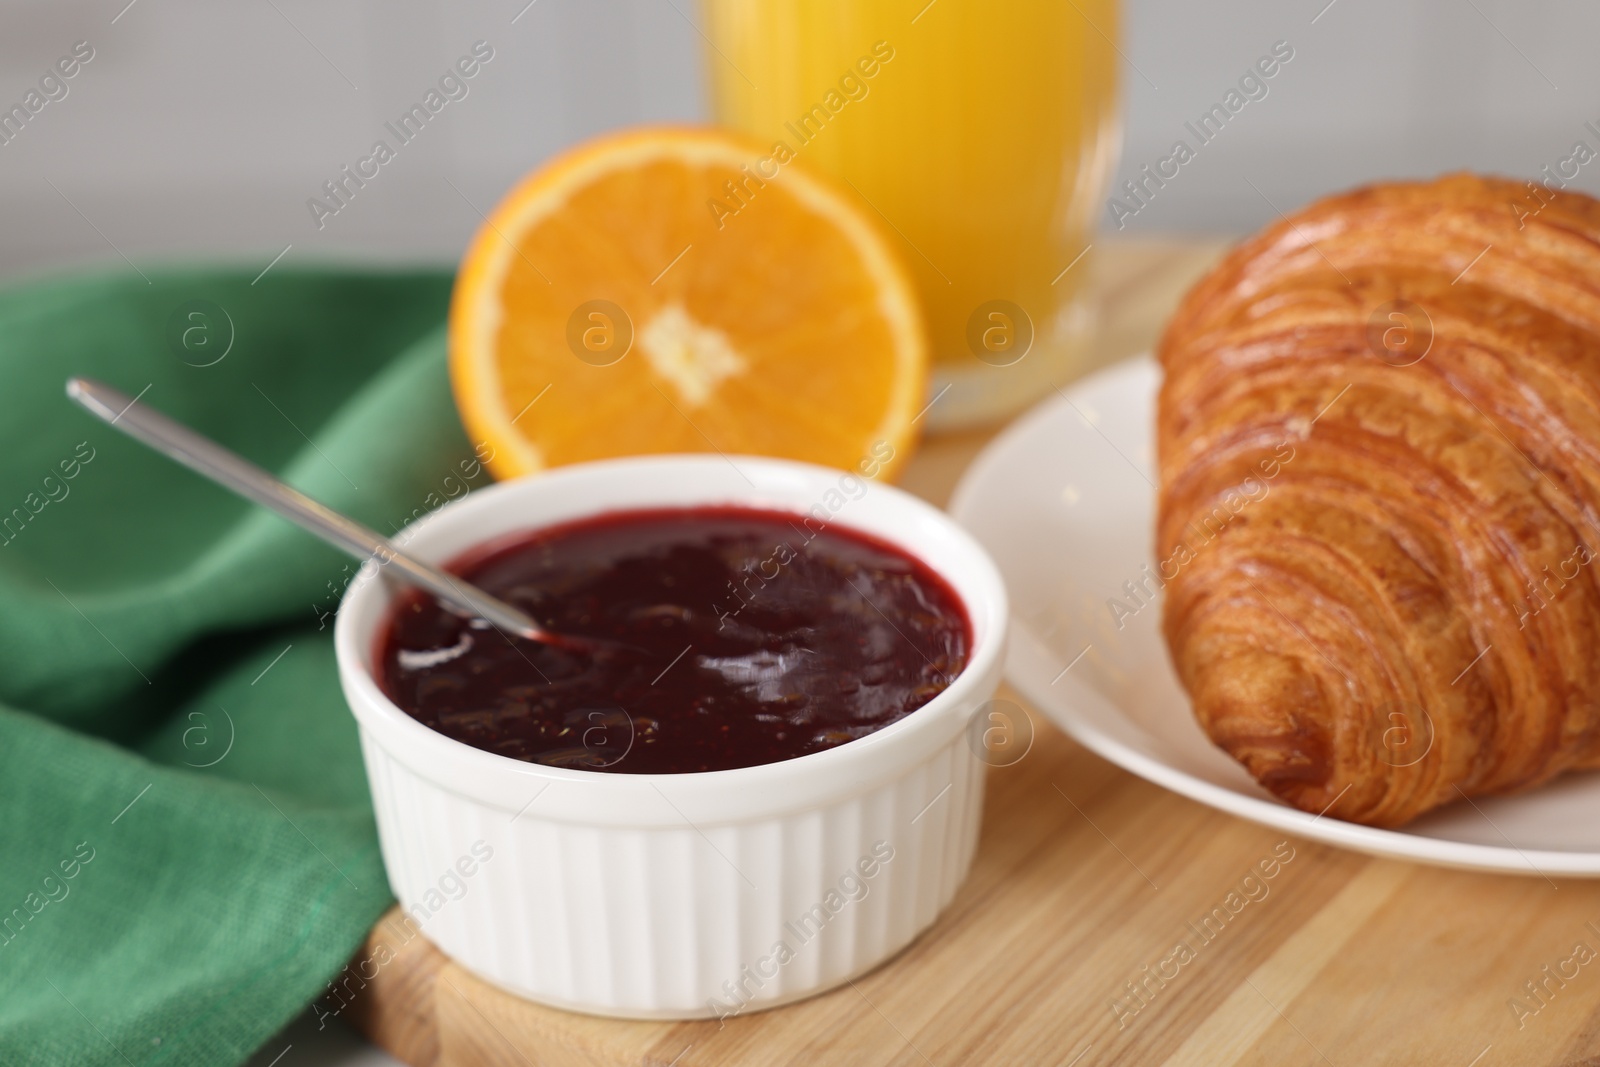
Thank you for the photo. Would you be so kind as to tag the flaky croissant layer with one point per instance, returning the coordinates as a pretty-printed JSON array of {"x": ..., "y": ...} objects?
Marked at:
[{"x": 1405, "y": 611}]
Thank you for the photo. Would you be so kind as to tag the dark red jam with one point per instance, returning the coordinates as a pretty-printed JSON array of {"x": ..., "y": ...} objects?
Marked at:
[{"x": 741, "y": 637}]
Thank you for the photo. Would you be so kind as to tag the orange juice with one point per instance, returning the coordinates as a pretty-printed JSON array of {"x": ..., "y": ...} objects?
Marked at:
[{"x": 981, "y": 133}]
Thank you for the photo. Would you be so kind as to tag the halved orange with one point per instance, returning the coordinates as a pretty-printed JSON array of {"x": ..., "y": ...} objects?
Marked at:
[{"x": 672, "y": 289}]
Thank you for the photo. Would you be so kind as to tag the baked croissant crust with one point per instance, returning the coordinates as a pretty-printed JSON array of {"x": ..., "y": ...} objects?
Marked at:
[{"x": 1379, "y": 437}]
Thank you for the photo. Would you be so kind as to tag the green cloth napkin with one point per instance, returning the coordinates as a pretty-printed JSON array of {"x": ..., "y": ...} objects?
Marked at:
[{"x": 187, "y": 850}]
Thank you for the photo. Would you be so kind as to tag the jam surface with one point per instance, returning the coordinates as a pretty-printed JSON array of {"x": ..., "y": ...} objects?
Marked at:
[{"x": 741, "y": 637}]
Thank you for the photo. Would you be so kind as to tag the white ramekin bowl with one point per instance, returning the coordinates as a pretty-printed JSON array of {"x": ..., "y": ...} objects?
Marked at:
[{"x": 680, "y": 895}]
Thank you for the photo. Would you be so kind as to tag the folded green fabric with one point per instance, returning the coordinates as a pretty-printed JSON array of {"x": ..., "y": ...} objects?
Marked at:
[{"x": 187, "y": 851}]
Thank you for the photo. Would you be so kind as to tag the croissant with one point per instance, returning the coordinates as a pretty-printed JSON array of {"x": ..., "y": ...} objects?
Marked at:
[{"x": 1379, "y": 442}]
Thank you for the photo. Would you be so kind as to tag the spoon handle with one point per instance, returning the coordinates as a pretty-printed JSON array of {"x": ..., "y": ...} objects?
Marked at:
[{"x": 210, "y": 459}]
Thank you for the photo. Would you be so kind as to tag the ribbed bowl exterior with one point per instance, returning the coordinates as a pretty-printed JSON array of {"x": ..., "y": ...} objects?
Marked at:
[
  {"x": 680, "y": 895},
  {"x": 678, "y": 922}
]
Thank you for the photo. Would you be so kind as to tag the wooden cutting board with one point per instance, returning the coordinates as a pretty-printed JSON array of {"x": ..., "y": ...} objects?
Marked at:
[{"x": 1108, "y": 921}]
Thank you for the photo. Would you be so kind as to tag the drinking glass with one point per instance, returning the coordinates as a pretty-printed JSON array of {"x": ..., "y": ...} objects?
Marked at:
[{"x": 980, "y": 133}]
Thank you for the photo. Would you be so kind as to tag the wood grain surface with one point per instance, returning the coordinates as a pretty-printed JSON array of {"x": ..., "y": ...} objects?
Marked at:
[{"x": 1107, "y": 921}]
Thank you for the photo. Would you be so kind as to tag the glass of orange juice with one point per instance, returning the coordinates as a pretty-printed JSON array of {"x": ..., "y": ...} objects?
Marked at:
[{"x": 981, "y": 133}]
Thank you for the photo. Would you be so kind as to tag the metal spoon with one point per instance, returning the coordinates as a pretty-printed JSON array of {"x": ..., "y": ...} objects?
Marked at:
[{"x": 206, "y": 457}]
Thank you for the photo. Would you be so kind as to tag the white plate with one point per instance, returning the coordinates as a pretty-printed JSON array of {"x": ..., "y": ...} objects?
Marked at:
[{"x": 1064, "y": 500}]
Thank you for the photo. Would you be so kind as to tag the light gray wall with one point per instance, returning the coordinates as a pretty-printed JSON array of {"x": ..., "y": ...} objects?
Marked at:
[
  {"x": 202, "y": 127},
  {"x": 1377, "y": 88}
]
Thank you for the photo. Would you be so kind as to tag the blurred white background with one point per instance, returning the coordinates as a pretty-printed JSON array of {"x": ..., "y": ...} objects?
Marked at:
[{"x": 202, "y": 128}]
